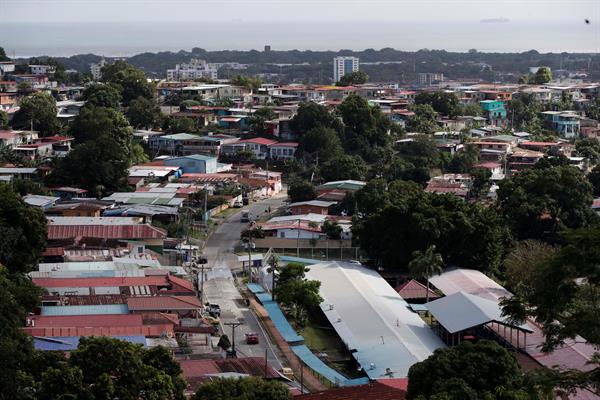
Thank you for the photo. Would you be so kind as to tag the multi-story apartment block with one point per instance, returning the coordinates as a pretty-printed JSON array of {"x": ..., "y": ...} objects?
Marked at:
[{"x": 343, "y": 66}]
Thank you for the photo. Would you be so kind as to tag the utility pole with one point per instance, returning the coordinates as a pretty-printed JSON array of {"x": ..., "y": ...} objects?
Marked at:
[
  {"x": 202, "y": 284},
  {"x": 298, "y": 240},
  {"x": 232, "y": 353}
]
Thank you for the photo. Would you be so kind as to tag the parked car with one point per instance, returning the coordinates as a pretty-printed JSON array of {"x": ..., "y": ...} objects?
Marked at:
[
  {"x": 214, "y": 310},
  {"x": 238, "y": 204},
  {"x": 252, "y": 338}
]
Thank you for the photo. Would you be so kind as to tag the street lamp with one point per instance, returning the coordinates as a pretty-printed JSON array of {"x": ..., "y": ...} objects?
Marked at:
[{"x": 249, "y": 244}]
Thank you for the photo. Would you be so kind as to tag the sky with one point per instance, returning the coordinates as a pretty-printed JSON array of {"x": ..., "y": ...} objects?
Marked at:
[
  {"x": 296, "y": 10},
  {"x": 126, "y": 27}
]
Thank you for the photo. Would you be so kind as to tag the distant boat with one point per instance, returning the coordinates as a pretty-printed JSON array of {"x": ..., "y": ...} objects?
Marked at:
[{"x": 500, "y": 20}]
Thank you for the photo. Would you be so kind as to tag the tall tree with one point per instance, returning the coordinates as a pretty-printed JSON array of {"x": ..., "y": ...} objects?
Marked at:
[
  {"x": 311, "y": 115},
  {"x": 144, "y": 113},
  {"x": 3, "y": 56},
  {"x": 38, "y": 111},
  {"x": 542, "y": 75},
  {"x": 540, "y": 202},
  {"x": 425, "y": 264},
  {"x": 588, "y": 148},
  {"x": 321, "y": 144},
  {"x": 424, "y": 120},
  {"x": 442, "y": 102},
  {"x": 564, "y": 298},
  {"x": 467, "y": 372},
  {"x": 353, "y": 78},
  {"x": 23, "y": 230},
  {"x": 3, "y": 119},
  {"x": 94, "y": 122},
  {"x": 294, "y": 289},
  {"x": 301, "y": 190},
  {"x": 365, "y": 126},
  {"x": 344, "y": 167},
  {"x": 102, "y": 95},
  {"x": 131, "y": 81},
  {"x": 98, "y": 165}
]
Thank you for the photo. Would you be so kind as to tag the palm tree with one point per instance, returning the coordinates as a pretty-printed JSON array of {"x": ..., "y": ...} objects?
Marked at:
[{"x": 425, "y": 264}]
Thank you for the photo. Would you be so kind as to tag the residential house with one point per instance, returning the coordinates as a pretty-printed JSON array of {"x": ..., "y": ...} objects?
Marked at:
[
  {"x": 11, "y": 138},
  {"x": 8, "y": 100},
  {"x": 494, "y": 111},
  {"x": 493, "y": 151},
  {"x": 495, "y": 169},
  {"x": 457, "y": 184},
  {"x": 523, "y": 159},
  {"x": 258, "y": 146},
  {"x": 18, "y": 172},
  {"x": 65, "y": 229},
  {"x": 311, "y": 207},
  {"x": 543, "y": 147},
  {"x": 292, "y": 230},
  {"x": 565, "y": 123},
  {"x": 177, "y": 144},
  {"x": 7, "y": 67},
  {"x": 282, "y": 150},
  {"x": 69, "y": 193},
  {"x": 195, "y": 164},
  {"x": 44, "y": 202}
]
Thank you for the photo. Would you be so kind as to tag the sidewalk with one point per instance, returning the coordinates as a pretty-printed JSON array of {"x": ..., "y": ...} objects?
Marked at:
[{"x": 310, "y": 381}]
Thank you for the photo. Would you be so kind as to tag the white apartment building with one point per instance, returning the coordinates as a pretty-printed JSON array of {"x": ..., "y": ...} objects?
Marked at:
[
  {"x": 343, "y": 66},
  {"x": 42, "y": 69},
  {"x": 430, "y": 78},
  {"x": 195, "y": 69},
  {"x": 96, "y": 69},
  {"x": 6, "y": 67}
]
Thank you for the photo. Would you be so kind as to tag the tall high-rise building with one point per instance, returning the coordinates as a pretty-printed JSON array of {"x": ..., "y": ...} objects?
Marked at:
[
  {"x": 195, "y": 69},
  {"x": 343, "y": 66},
  {"x": 96, "y": 69}
]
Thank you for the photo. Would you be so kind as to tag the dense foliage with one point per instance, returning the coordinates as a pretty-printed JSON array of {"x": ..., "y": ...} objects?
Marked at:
[
  {"x": 242, "y": 389},
  {"x": 38, "y": 111}
]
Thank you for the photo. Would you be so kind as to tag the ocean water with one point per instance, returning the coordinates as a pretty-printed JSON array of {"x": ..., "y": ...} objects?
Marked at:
[{"x": 24, "y": 39}]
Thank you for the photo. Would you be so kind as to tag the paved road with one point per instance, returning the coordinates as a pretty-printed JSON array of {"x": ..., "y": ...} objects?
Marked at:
[{"x": 219, "y": 284}]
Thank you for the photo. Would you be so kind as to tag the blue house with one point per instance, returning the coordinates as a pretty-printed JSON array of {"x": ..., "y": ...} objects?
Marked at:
[
  {"x": 194, "y": 164},
  {"x": 565, "y": 123},
  {"x": 494, "y": 110}
]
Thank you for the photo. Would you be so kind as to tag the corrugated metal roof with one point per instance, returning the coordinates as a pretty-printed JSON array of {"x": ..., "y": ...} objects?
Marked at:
[
  {"x": 350, "y": 294},
  {"x": 413, "y": 289},
  {"x": 105, "y": 232},
  {"x": 163, "y": 303},
  {"x": 159, "y": 280},
  {"x": 45, "y": 321},
  {"x": 145, "y": 330},
  {"x": 85, "y": 310},
  {"x": 461, "y": 311},
  {"x": 70, "y": 343}
]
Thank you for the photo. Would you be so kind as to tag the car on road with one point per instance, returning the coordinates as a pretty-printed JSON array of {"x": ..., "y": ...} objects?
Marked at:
[
  {"x": 238, "y": 204},
  {"x": 214, "y": 310},
  {"x": 252, "y": 338},
  {"x": 246, "y": 216}
]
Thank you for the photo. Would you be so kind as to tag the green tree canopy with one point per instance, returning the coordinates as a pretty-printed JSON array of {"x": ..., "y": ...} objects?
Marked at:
[
  {"x": 402, "y": 218},
  {"x": 353, "y": 78},
  {"x": 94, "y": 122},
  {"x": 258, "y": 120},
  {"x": 242, "y": 389},
  {"x": 594, "y": 178},
  {"x": 332, "y": 229},
  {"x": 425, "y": 264},
  {"x": 442, "y": 102},
  {"x": 301, "y": 190},
  {"x": 321, "y": 144},
  {"x": 23, "y": 230},
  {"x": 39, "y": 110},
  {"x": 543, "y": 75},
  {"x": 102, "y": 95},
  {"x": 99, "y": 165},
  {"x": 294, "y": 289},
  {"x": 562, "y": 294},
  {"x": 424, "y": 120},
  {"x": 344, "y": 167},
  {"x": 3, "y": 56},
  {"x": 144, "y": 113},
  {"x": 179, "y": 125},
  {"x": 471, "y": 109},
  {"x": 248, "y": 82},
  {"x": 131, "y": 81},
  {"x": 3, "y": 119},
  {"x": 467, "y": 371},
  {"x": 540, "y": 202},
  {"x": 588, "y": 148},
  {"x": 524, "y": 113},
  {"x": 365, "y": 126},
  {"x": 311, "y": 115}
]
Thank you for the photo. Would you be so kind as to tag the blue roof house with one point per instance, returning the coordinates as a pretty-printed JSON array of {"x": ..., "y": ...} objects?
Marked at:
[{"x": 194, "y": 164}]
